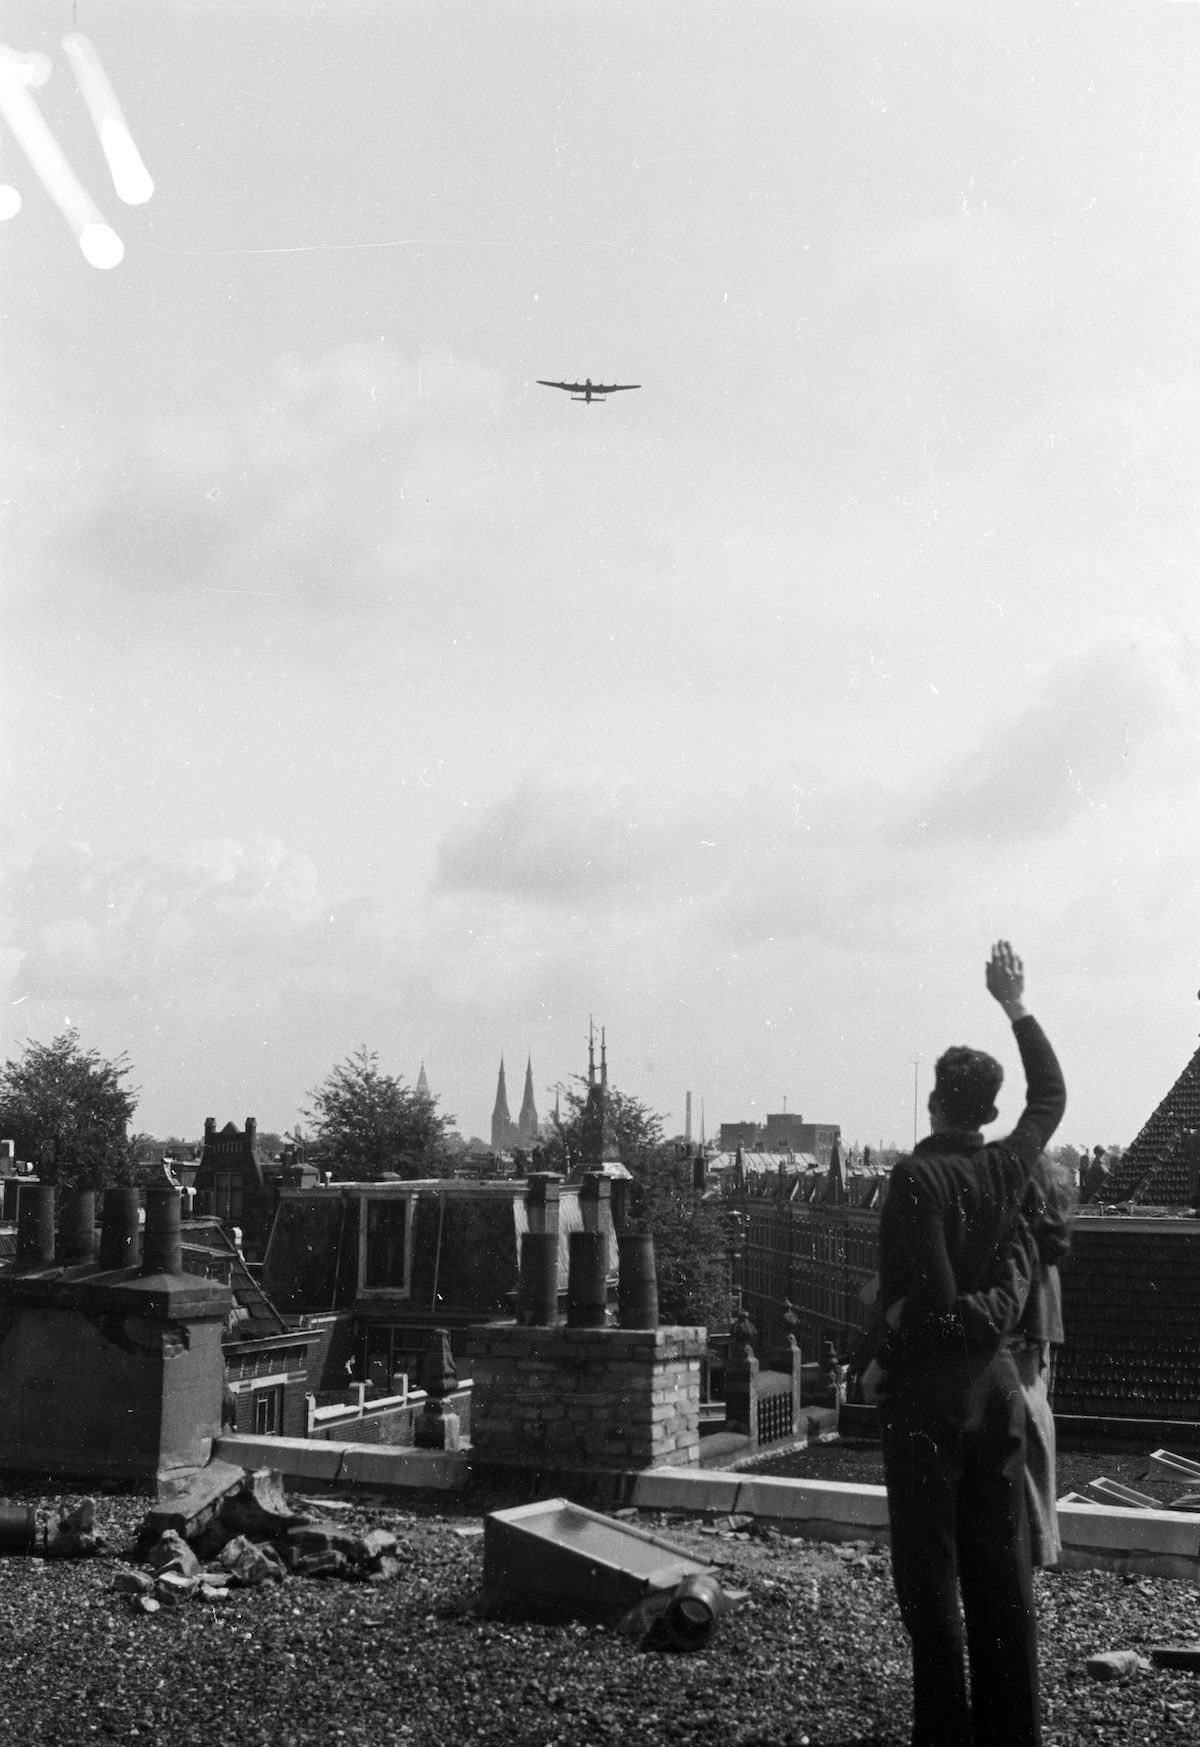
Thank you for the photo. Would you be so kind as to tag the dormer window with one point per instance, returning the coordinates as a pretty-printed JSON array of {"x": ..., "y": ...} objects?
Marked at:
[{"x": 385, "y": 1244}]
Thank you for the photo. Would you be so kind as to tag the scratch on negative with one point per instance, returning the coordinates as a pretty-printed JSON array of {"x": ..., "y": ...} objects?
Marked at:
[{"x": 420, "y": 243}]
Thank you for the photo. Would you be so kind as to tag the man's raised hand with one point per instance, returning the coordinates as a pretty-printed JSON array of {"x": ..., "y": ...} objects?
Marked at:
[{"x": 1005, "y": 976}]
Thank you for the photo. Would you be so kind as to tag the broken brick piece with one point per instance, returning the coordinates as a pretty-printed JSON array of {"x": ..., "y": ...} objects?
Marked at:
[
  {"x": 81, "y": 1520},
  {"x": 248, "y": 1564},
  {"x": 172, "y": 1588},
  {"x": 378, "y": 1542},
  {"x": 133, "y": 1583},
  {"x": 71, "y": 1544},
  {"x": 193, "y": 1507},
  {"x": 258, "y": 1507},
  {"x": 1116, "y": 1665},
  {"x": 172, "y": 1553},
  {"x": 325, "y": 1563}
]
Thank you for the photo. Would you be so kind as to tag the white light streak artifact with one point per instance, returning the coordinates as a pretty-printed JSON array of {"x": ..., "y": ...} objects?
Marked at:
[{"x": 130, "y": 177}]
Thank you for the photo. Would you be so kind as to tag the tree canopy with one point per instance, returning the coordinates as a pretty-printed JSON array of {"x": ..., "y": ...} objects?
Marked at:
[
  {"x": 68, "y": 1111},
  {"x": 366, "y": 1124}
]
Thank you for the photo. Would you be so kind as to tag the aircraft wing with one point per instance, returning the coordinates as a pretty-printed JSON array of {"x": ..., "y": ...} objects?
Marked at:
[
  {"x": 613, "y": 387},
  {"x": 571, "y": 387}
]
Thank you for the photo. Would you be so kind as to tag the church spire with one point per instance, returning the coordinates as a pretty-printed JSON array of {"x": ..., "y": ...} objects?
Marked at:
[
  {"x": 597, "y": 1139},
  {"x": 502, "y": 1122},
  {"x": 527, "y": 1121},
  {"x": 422, "y": 1083}
]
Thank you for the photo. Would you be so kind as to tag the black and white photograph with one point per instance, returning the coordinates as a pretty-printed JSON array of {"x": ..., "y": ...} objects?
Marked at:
[{"x": 599, "y": 873}]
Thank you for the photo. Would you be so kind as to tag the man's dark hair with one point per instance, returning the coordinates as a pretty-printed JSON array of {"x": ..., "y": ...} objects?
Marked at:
[{"x": 966, "y": 1083}]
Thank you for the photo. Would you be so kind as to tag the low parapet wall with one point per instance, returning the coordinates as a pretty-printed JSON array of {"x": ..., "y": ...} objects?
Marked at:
[
  {"x": 321, "y": 1463},
  {"x": 1143, "y": 1543}
]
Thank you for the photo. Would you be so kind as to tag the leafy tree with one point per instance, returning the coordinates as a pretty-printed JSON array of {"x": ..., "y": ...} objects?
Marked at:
[
  {"x": 693, "y": 1240},
  {"x": 68, "y": 1110},
  {"x": 635, "y": 1128},
  {"x": 366, "y": 1123},
  {"x": 692, "y": 1237}
]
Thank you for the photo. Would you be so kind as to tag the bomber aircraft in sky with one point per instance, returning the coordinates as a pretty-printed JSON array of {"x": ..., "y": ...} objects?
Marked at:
[{"x": 589, "y": 391}]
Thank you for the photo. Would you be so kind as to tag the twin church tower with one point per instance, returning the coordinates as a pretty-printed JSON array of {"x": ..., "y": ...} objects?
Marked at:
[{"x": 523, "y": 1133}]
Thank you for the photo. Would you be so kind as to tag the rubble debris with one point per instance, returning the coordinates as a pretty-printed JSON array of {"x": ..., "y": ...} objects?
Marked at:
[
  {"x": 81, "y": 1520},
  {"x": 249, "y": 1564},
  {"x": 244, "y": 1532},
  {"x": 1116, "y": 1665},
  {"x": 133, "y": 1583},
  {"x": 173, "y": 1588},
  {"x": 192, "y": 1508},
  {"x": 24, "y": 1532},
  {"x": 172, "y": 1553},
  {"x": 258, "y": 1508}
]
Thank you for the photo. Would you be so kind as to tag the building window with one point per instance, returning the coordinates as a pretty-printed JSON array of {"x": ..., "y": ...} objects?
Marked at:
[
  {"x": 227, "y": 1197},
  {"x": 387, "y": 1354},
  {"x": 268, "y": 1412},
  {"x": 385, "y": 1246}
]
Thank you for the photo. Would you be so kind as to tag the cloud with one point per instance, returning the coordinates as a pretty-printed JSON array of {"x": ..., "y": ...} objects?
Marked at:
[
  {"x": 332, "y": 479},
  {"x": 977, "y": 269},
  {"x": 672, "y": 882},
  {"x": 551, "y": 843},
  {"x": 96, "y": 926},
  {"x": 641, "y": 842},
  {"x": 1067, "y": 749}
]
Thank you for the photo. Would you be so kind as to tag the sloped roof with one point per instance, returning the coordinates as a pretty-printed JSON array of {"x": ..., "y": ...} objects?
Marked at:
[
  {"x": 1131, "y": 1306},
  {"x": 209, "y": 1252},
  {"x": 1155, "y": 1168}
]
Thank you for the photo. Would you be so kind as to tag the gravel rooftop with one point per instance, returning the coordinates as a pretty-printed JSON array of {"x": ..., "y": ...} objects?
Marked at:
[{"x": 814, "y": 1655}]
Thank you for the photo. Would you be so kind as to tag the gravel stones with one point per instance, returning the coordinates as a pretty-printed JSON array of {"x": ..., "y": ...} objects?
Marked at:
[{"x": 815, "y": 1654}]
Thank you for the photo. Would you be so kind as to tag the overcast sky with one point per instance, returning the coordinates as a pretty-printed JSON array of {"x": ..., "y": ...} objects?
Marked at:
[{"x": 356, "y": 689}]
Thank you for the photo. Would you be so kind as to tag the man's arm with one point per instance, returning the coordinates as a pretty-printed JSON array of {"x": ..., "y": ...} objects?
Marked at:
[
  {"x": 1045, "y": 1092},
  {"x": 997, "y": 1308},
  {"x": 984, "y": 1317}
]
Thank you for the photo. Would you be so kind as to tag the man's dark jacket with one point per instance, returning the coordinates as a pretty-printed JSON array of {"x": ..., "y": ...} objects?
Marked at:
[{"x": 950, "y": 1205}]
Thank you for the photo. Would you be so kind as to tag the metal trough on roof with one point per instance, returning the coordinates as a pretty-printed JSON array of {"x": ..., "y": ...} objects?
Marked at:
[{"x": 556, "y": 1558}]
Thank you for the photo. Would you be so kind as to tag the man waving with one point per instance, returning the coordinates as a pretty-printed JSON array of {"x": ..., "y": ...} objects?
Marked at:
[{"x": 951, "y": 1409}]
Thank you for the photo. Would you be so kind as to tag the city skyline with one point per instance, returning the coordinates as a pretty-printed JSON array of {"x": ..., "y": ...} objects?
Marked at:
[{"x": 356, "y": 688}]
